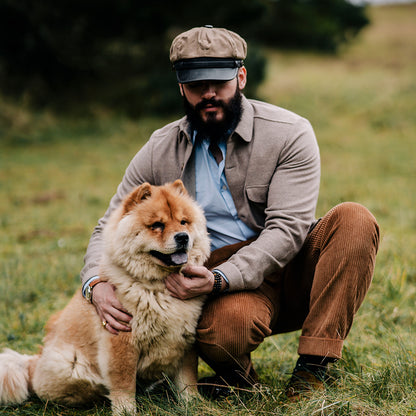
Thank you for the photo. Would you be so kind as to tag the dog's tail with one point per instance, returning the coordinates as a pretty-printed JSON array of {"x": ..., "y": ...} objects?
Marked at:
[{"x": 15, "y": 372}]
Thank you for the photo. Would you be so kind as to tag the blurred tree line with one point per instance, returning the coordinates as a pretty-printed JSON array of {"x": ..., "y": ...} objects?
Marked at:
[{"x": 116, "y": 52}]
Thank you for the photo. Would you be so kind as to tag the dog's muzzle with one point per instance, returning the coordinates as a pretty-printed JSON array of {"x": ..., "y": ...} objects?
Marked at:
[{"x": 177, "y": 258}]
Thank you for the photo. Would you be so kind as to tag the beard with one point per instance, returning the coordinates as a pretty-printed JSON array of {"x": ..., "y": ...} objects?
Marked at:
[{"x": 215, "y": 130}]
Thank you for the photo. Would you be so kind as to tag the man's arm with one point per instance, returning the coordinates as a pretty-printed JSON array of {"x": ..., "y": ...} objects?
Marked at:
[
  {"x": 136, "y": 173},
  {"x": 289, "y": 211},
  {"x": 103, "y": 296}
]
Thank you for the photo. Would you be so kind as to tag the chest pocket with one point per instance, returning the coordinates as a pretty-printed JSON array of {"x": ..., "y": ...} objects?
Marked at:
[
  {"x": 257, "y": 193},
  {"x": 257, "y": 197}
]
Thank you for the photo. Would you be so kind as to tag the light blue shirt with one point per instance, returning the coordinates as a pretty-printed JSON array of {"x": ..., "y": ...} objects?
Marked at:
[{"x": 213, "y": 195}]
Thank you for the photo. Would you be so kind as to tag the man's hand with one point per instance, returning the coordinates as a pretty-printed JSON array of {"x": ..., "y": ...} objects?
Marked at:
[
  {"x": 191, "y": 282},
  {"x": 110, "y": 309}
]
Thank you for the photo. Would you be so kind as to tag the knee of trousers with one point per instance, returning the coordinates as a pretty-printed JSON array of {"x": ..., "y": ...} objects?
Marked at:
[
  {"x": 225, "y": 334},
  {"x": 349, "y": 239},
  {"x": 358, "y": 225}
]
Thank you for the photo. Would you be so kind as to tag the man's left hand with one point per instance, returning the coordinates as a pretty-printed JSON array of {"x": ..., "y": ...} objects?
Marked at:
[{"x": 191, "y": 282}]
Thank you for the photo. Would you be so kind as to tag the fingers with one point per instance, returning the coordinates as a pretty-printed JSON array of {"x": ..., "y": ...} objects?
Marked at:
[
  {"x": 174, "y": 286},
  {"x": 186, "y": 286},
  {"x": 116, "y": 320},
  {"x": 196, "y": 271},
  {"x": 108, "y": 327},
  {"x": 109, "y": 308}
]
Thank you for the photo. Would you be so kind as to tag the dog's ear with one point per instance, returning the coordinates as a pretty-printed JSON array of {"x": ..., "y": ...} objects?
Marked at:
[
  {"x": 179, "y": 187},
  {"x": 139, "y": 194}
]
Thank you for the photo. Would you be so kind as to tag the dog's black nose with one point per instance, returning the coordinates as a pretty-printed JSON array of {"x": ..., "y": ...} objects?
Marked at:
[{"x": 182, "y": 239}]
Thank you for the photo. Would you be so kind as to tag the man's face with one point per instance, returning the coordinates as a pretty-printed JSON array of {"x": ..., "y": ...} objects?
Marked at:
[{"x": 212, "y": 106}]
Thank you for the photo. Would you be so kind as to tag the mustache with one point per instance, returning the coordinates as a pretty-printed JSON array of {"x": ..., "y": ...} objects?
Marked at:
[{"x": 206, "y": 102}]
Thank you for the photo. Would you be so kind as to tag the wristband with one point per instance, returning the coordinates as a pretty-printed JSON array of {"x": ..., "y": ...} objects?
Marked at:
[
  {"x": 217, "y": 283},
  {"x": 88, "y": 290},
  {"x": 224, "y": 277}
]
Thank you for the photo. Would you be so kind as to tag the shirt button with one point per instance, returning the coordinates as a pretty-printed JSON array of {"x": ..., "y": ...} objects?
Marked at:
[{"x": 224, "y": 187}]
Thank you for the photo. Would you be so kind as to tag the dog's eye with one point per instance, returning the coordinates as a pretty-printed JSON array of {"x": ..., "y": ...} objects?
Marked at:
[
  {"x": 184, "y": 222},
  {"x": 158, "y": 226}
]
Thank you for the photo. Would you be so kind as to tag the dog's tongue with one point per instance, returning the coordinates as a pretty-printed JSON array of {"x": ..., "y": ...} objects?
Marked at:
[{"x": 179, "y": 258}]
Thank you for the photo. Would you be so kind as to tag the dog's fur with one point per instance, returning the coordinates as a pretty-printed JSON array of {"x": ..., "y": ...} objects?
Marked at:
[{"x": 155, "y": 231}]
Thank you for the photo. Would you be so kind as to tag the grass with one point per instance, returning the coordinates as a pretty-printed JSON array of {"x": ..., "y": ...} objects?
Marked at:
[{"x": 57, "y": 175}]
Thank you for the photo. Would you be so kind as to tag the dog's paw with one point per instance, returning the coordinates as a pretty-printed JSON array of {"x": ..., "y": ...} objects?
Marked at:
[
  {"x": 189, "y": 394},
  {"x": 124, "y": 408}
]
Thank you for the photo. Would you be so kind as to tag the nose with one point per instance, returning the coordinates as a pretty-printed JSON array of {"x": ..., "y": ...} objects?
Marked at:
[
  {"x": 208, "y": 90},
  {"x": 182, "y": 239}
]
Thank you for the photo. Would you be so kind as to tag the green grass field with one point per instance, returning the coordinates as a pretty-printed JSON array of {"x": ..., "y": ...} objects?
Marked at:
[{"x": 57, "y": 175}]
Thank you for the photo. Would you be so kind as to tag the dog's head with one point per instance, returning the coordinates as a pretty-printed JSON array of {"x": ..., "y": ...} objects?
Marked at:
[{"x": 157, "y": 226}]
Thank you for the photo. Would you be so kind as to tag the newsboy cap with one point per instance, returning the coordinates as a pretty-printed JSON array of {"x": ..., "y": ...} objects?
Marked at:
[{"x": 207, "y": 54}]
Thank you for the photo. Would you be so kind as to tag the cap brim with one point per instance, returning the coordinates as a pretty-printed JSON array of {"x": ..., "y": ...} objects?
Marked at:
[{"x": 205, "y": 74}]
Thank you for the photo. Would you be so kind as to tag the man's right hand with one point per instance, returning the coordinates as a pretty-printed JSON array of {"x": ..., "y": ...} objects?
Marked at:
[{"x": 109, "y": 308}]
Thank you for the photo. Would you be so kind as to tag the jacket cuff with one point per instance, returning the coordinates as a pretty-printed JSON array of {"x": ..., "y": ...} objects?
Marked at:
[
  {"x": 93, "y": 271},
  {"x": 234, "y": 276}
]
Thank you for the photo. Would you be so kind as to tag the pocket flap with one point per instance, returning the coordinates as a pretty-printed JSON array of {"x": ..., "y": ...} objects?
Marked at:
[{"x": 257, "y": 193}]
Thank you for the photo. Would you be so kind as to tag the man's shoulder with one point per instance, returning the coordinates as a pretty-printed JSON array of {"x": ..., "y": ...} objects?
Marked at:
[
  {"x": 171, "y": 129},
  {"x": 273, "y": 113}
]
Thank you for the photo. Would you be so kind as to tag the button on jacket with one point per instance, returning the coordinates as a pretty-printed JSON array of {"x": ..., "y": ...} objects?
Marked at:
[{"x": 272, "y": 168}]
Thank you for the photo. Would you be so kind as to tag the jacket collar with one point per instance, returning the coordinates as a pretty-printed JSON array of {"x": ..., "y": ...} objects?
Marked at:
[
  {"x": 185, "y": 130},
  {"x": 245, "y": 127}
]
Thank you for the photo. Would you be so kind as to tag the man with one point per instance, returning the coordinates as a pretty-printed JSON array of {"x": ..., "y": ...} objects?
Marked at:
[{"x": 255, "y": 170}]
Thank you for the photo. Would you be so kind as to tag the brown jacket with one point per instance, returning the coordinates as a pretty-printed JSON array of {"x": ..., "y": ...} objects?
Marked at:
[{"x": 273, "y": 170}]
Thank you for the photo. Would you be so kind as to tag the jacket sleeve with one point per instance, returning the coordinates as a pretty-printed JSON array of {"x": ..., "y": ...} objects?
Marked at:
[
  {"x": 138, "y": 172},
  {"x": 289, "y": 211}
]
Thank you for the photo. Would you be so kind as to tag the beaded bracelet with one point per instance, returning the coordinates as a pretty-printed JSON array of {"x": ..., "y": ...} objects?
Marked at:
[{"x": 217, "y": 283}]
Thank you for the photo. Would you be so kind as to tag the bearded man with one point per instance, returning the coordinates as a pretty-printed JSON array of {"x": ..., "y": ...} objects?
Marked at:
[{"x": 255, "y": 170}]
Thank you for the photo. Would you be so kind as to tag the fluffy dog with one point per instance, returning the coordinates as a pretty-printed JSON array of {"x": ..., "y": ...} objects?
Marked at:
[{"x": 155, "y": 231}]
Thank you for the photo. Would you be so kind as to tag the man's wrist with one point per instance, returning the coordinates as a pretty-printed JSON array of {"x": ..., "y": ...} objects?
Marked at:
[
  {"x": 88, "y": 287},
  {"x": 221, "y": 283}
]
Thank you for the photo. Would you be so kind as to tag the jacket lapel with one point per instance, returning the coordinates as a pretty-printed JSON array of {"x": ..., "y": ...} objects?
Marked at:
[
  {"x": 237, "y": 160},
  {"x": 188, "y": 164}
]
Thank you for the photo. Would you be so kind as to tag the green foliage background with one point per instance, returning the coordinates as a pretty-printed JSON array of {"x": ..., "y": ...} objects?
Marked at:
[{"x": 73, "y": 53}]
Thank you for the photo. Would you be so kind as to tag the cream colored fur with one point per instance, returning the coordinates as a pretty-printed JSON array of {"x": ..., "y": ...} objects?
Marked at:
[{"x": 80, "y": 360}]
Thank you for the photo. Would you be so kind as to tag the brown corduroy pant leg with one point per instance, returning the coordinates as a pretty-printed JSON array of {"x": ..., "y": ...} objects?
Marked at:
[{"x": 319, "y": 291}]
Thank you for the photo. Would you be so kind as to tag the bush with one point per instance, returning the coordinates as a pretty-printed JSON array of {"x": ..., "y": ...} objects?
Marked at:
[
  {"x": 117, "y": 52},
  {"x": 322, "y": 25}
]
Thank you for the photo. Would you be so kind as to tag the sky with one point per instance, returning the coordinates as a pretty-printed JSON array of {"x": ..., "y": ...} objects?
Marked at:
[{"x": 377, "y": 2}]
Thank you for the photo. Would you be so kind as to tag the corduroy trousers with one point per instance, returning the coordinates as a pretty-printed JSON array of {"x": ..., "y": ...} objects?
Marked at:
[{"x": 319, "y": 292}]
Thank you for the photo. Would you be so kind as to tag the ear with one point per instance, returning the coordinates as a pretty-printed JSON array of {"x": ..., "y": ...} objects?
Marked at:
[
  {"x": 136, "y": 196},
  {"x": 181, "y": 90},
  {"x": 179, "y": 187},
  {"x": 242, "y": 77}
]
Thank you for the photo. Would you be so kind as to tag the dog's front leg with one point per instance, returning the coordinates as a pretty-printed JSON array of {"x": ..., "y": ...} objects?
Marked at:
[
  {"x": 187, "y": 377},
  {"x": 122, "y": 375}
]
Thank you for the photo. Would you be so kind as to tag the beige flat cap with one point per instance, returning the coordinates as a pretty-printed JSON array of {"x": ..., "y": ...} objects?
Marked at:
[{"x": 207, "y": 53}]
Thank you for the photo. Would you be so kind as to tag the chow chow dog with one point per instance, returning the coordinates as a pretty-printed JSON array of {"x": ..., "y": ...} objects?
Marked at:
[{"x": 155, "y": 231}]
